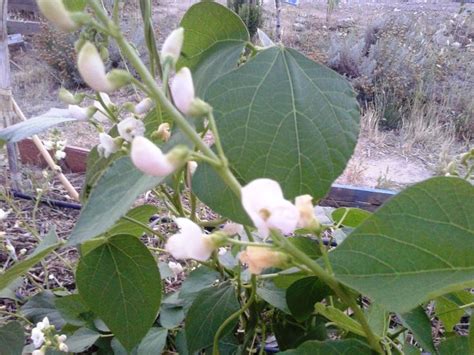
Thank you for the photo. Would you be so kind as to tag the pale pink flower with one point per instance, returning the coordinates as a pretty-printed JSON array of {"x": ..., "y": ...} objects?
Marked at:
[
  {"x": 172, "y": 45},
  {"x": 149, "y": 159},
  {"x": 182, "y": 90}
]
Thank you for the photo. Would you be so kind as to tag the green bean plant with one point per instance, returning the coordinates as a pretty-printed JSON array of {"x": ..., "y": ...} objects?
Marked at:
[{"x": 257, "y": 135}]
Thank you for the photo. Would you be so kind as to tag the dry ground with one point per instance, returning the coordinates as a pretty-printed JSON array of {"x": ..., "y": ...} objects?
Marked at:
[{"x": 382, "y": 159}]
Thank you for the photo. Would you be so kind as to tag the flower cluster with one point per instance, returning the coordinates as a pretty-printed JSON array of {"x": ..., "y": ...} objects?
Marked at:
[
  {"x": 57, "y": 146},
  {"x": 44, "y": 337}
]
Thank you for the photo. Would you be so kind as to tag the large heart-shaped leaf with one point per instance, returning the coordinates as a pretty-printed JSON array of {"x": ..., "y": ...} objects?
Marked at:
[
  {"x": 46, "y": 246},
  {"x": 285, "y": 117},
  {"x": 120, "y": 282},
  {"x": 214, "y": 38},
  {"x": 416, "y": 247}
]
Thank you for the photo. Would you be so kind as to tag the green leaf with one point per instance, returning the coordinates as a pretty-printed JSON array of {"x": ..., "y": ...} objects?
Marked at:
[
  {"x": 206, "y": 182},
  {"x": 154, "y": 342},
  {"x": 378, "y": 319},
  {"x": 199, "y": 279},
  {"x": 209, "y": 310},
  {"x": 455, "y": 345},
  {"x": 171, "y": 317},
  {"x": 290, "y": 334},
  {"x": 420, "y": 325},
  {"x": 43, "y": 305},
  {"x": 12, "y": 338},
  {"x": 307, "y": 245},
  {"x": 120, "y": 282},
  {"x": 75, "y": 5},
  {"x": 448, "y": 307},
  {"x": 9, "y": 291},
  {"x": 73, "y": 310},
  {"x": 273, "y": 295},
  {"x": 25, "y": 129},
  {"x": 46, "y": 246},
  {"x": 303, "y": 294},
  {"x": 110, "y": 199},
  {"x": 82, "y": 339},
  {"x": 349, "y": 217},
  {"x": 141, "y": 214},
  {"x": 285, "y": 117},
  {"x": 471, "y": 337},
  {"x": 340, "y": 318},
  {"x": 206, "y": 24},
  {"x": 331, "y": 347},
  {"x": 416, "y": 247}
]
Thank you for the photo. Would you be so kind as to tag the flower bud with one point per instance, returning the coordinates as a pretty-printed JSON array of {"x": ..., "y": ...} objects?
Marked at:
[
  {"x": 199, "y": 108},
  {"x": 56, "y": 12},
  {"x": 259, "y": 258},
  {"x": 231, "y": 228},
  {"x": 143, "y": 106},
  {"x": 171, "y": 49},
  {"x": 104, "y": 53},
  {"x": 81, "y": 113},
  {"x": 67, "y": 97},
  {"x": 178, "y": 155},
  {"x": 107, "y": 146},
  {"x": 92, "y": 70},
  {"x": 192, "y": 166},
  {"x": 149, "y": 159},
  {"x": 163, "y": 132},
  {"x": 182, "y": 90}
]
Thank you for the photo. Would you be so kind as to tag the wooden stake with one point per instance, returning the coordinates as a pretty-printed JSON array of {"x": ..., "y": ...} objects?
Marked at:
[
  {"x": 278, "y": 20},
  {"x": 44, "y": 152},
  {"x": 6, "y": 112}
]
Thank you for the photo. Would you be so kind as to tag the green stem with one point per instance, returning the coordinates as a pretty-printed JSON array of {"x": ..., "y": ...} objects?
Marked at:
[
  {"x": 145, "y": 227},
  {"x": 217, "y": 139},
  {"x": 250, "y": 244},
  {"x": 333, "y": 284},
  {"x": 215, "y": 346}
]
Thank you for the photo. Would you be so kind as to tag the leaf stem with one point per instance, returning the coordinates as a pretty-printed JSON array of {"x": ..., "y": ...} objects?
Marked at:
[
  {"x": 145, "y": 227},
  {"x": 215, "y": 346}
]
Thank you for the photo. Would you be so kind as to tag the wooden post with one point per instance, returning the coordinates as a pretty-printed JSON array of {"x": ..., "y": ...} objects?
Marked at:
[
  {"x": 278, "y": 20},
  {"x": 6, "y": 108}
]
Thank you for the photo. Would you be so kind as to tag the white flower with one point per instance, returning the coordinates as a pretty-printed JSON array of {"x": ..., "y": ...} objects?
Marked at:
[
  {"x": 37, "y": 336},
  {"x": 60, "y": 154},
  {"x": 99, "y": 116},
  {"x": 61, "y": 144},
  {"x": 92, "y": 69},
  {"x": 38, "y": 352},
  {"x": 190, "y": 242},
  {"x": 305, "y": 207},
  {"x": 63, "y": 347},
  {"x": 263, "y": 201},
  {"x": 231, "y": 228},
  {"x": 148, "y": 158},
  {"x": 79, "y": 113},
  {"x": 62, "y": 338},
  {"x": 43, "y": 324},
  {"x": 130, "y": 128},
  {"x": 222, "y": 251},
  {"x": 56, "y": 12},
  {"x": 23, "y": 251},
  {"x": 107, "y": 145},
  {"x": 144, "y": 106},
  {"x": 10, "y": 247},
  {"x": 48, "y": 145},
  {"x": 172, "y": 45},
  {"x": 182, "y": 90},
  {"x": 176, "y": 268},
  {"x": 4, "y": 214}
]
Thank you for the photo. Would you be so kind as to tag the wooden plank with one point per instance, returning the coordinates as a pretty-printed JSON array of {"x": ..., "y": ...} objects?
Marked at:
[
  {"x": 74, "y": 162},
  {"x": 23, "y": 5},
  {"x": 351, "y": 196},
  {"x": 23, "y": 27}
]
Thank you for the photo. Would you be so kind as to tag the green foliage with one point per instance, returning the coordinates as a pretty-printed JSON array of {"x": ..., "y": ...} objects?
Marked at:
[
  {"x": 303, "y": 294},
  {"x": 395, "y": 258},
  {"x": 329, "y": 347},
  {"x": 11, "y": 338},
  {"x": 349, "y": 217},
  {"x": 209, "y": 310},
  {"x": 120, "y": 282},
  {"x": 420, "y": 325}
]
